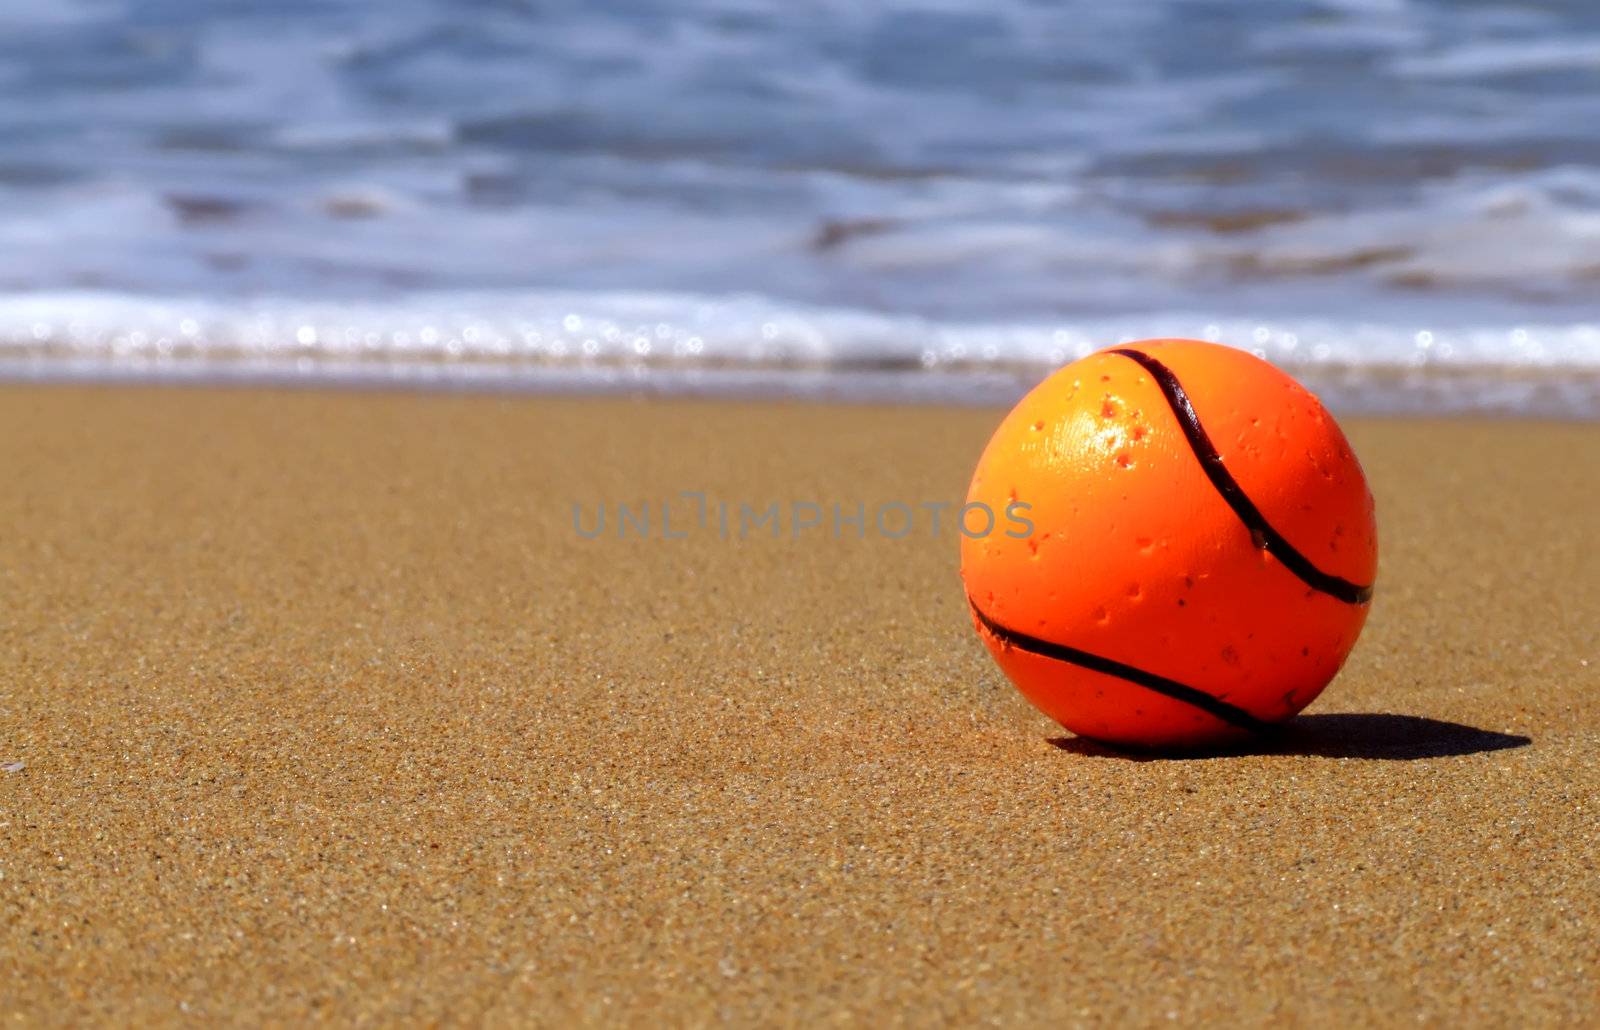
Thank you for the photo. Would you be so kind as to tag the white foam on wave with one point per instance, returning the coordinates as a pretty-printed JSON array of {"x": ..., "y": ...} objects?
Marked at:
[
  {"x": 1484, "y": 59},
  {"x": 672, "y": 342},
  {"x": 1454, "y": 235}
]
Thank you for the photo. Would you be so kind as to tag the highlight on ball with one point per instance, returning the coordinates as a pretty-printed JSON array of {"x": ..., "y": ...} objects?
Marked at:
[{"x": 1204, "y": 546}]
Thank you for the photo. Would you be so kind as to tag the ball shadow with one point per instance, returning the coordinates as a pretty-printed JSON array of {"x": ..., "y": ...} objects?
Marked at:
[{"x": 1376, "y": 736}]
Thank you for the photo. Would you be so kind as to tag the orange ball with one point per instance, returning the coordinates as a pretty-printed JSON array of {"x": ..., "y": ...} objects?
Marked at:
[{"x": 1191, "y": 550}]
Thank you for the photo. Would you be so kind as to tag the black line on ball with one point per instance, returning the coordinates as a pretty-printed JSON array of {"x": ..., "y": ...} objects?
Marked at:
[
  {"x": 1095, "y": 663},
  {"x": 1261, "y": 531}
]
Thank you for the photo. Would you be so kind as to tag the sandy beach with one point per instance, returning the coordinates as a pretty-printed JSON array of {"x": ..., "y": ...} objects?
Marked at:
[{"x": 316, "y": 705}]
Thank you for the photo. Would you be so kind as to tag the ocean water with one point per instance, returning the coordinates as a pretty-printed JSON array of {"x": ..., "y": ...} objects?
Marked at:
[{"x": 1397, "y": 199}]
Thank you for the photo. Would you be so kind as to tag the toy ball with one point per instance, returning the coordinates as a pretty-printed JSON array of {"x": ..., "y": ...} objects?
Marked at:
[{"x": 1189, "y": 549}]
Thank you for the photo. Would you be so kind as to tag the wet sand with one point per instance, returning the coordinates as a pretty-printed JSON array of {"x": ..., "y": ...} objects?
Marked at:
[{"x": 316, "y": 705}]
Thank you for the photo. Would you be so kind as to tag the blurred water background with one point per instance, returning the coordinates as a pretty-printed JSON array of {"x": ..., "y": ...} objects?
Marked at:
[{"x": 1397, "y": 199}]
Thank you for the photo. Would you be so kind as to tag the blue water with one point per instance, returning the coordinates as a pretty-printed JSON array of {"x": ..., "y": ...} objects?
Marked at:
[{"x": 1354, "y": 186}]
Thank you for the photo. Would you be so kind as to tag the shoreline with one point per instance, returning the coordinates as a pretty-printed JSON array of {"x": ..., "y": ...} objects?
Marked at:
[{"x": 1565, "y": 395}]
